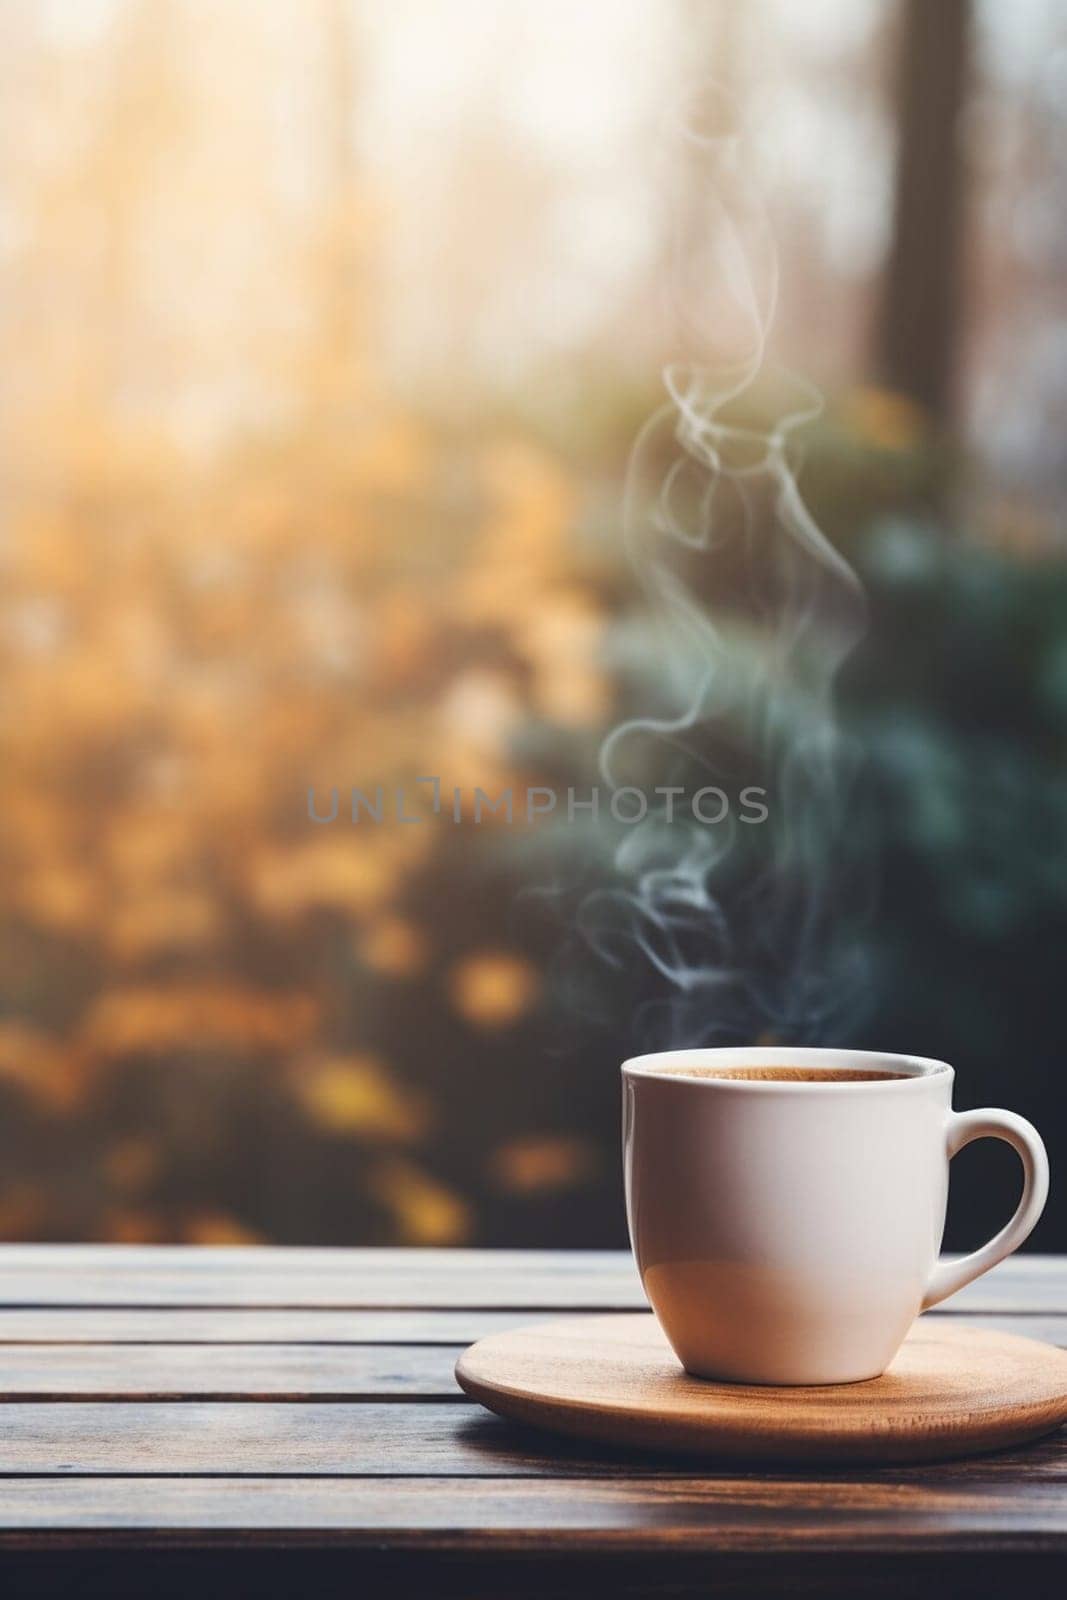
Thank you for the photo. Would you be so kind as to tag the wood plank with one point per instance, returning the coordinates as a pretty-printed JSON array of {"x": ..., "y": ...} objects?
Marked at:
[
  {"x": 121, "y": 1275},
  {"x": 249, "y": 1567},
  {"x": 370, "y": 1439},
  {"x": 663, "y": 1515},
  {"x": 175, "y": 1325},
  {"x": 164, "y": 1370},
  {"x": 227, "y": 1372}
]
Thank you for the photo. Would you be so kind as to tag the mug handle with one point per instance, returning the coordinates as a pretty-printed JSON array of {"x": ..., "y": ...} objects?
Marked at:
[{"x": 963, "y": 1128}]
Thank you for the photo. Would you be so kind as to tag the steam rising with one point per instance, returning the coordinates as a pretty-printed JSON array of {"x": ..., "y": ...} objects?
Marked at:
[{"x": 745, "y": 927}]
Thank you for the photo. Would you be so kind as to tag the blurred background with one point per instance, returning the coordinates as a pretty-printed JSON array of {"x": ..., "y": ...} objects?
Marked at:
[{"x": 326, "y": 331}]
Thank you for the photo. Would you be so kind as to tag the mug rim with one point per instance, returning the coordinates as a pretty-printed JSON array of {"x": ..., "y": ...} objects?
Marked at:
[{"x": 913, "y": 1070}]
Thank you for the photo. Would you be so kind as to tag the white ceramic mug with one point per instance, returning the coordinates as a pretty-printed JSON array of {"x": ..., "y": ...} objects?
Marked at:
[{"x": 788, "y": 1231}]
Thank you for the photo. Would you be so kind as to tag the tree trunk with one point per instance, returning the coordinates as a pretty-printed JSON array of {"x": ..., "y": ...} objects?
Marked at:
[{"x": 919, "y": 333}]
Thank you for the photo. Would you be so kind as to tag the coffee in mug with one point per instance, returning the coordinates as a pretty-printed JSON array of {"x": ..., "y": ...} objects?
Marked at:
[{"x": 771, "y": 1074}]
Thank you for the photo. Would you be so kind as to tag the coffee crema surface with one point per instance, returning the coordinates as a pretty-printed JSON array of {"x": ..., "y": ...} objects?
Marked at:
[{"x": 773, "y": 1074}]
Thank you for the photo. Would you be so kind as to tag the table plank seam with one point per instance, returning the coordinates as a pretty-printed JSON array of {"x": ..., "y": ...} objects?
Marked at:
[
  {"x": 565, "y": 1309},
  {"x": 170, "y": 1397},
  {"x": 1046, "y": 1481}
]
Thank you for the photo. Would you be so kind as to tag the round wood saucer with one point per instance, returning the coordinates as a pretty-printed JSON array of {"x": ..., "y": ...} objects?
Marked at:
[{"x": 951, "y": 1391}]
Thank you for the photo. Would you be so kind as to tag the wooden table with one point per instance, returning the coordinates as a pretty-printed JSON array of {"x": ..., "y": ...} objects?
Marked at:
[{"x": 286, "y": 1422}]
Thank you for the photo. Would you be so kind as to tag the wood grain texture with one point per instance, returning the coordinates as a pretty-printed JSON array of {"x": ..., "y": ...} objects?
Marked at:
[
  {"x": 637, "y": 1513},
  {"x": 369, "y": 1439},
  {"x": 175, "y": 1326},
  {"x": 227, "y": 1372},
  {"x": 951, "y": 1390},
  {"x": 174, "y": 1275},
  {"x": 177, "y": 1275}
]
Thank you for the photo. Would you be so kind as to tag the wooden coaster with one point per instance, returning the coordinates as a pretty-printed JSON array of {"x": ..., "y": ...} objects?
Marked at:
[{"x": 951, "y": 1391}]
